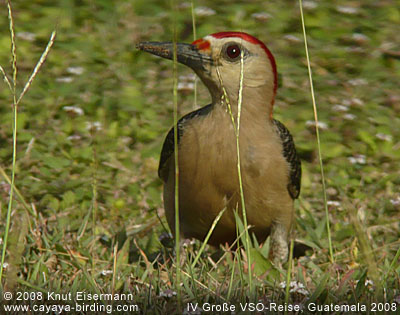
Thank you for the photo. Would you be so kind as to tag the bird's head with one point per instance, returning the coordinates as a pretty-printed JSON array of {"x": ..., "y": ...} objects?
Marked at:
[{"x": 217, "y": 58}]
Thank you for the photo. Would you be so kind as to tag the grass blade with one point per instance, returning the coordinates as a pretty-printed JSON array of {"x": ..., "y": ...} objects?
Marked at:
[
  {"x": 194, "y": 38},
  {"x": 18, "y": 193},
  {"x": 38, "y": 65},
  {"x": 236, "y": 126},
  {"x": 247, "y": 236},
  {"x": 16, "y": 101},
  {"x": 289, "y": 273},
  {"x": 317, "y": 133},
  {"x": 15, "y": 116},
  {"x": 6, "y": 79},
  {"x": 319, "y": 289},
  {"x": 175, "y": 102},
  {"x": 203, "y": 245},
  {"x": 394, "y": 261}
]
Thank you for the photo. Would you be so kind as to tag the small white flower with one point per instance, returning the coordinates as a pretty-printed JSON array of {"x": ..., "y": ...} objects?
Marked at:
[
  {"x": 95, "y": 126},
  {"x": 356, "y": 82},
  {"x": 300, "y": 285},
  {"x": 349, "y": 116},
  {"x": 168, "y": 293},
  {"x": 186, "y": 83},
  {"x": 1, "y": 241},
  {"x": 356, "y": 101},
  {"x": 340, "y": 108},
  {"x": 355, "y": 49},
  {"x": 75, "y": 70},
  {"x": 384, "y": 137},
  {"x": 28, "y": 36},
  {"x": 106, "y": 272},
  {"x": 184, "y": 5},
  {"x": 188, "y": 242},
  {"x": 185, "y": 86},
  {"x": 303, "y": 291},
  {"x": 360, "y": 38},
  {"x": 333, "y": 203},
  {"x": 346, "y": 102},
  {"x": 347, "y": 10},
  {"x": 74, "y": 138},
  {"x": 5, "y": 265},
  {"x": 387, "y": 46},
  {"x": 394, "y": 202},
  {"x": 357, "y": 159},
  {"x": 368, "y": 282},
  {"x": 204, "y": 11},
  {"x": 74, "y": 109},
  {"x": 292, "y": 38},
  {"x": 65, "y": 79},
  {"x": 187, "y": 78},
  {"x": 295, "y": 287},
  {"x": 321, "y": 125},
  {"x": 309, "y": 5},
  {"x": 261, "y": 16}
]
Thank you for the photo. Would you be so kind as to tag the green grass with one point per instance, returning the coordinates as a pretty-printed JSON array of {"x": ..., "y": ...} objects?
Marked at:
[{"x": 86, "y": 197}]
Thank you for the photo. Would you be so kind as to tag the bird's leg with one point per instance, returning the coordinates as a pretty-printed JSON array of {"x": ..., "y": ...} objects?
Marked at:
[{"x": 279, "y": 243}]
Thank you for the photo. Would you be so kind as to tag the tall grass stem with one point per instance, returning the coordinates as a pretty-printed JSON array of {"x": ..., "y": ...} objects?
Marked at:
[
  {"x": 244, "y": 214},
  {"x": 194, "y": 38},
  {"x": 6, "y": 79},
  {"x": 38, "y": 65},
  {"x": 203, "y": 245},
  {"x": 237, "y": 130},
  {"x": 18, "y": 193},
  {"x": 16, "y": 101},
  {"x": 94, "y": 195},
  {"x": 176, "y": 157},
  {"x": 14, "y": 132},
  {"x": 328, "y": 229},
  {"x": 289, "y": 273}
]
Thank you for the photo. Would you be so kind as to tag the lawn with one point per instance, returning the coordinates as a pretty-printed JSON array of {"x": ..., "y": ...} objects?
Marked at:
[{"x": 87, "y": 214}]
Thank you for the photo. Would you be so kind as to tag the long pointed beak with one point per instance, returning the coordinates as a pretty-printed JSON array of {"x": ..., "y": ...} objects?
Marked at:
[{"x": 186, "y": 54}]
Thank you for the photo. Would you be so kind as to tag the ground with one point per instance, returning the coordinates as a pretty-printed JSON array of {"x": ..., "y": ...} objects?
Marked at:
[{"x": 88, "y": 213}]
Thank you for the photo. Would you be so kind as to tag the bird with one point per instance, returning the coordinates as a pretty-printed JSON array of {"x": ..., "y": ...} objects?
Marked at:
[{"x": 238, "y": 71}]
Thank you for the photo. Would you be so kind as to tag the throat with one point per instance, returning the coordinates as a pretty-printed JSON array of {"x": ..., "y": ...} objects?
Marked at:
[
  {"x": 250, "y": 112},
  {"x": 256, "y": 103}
]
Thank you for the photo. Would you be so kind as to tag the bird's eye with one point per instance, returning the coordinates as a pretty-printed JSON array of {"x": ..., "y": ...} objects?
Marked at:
[{"x": 233, "y": 51}]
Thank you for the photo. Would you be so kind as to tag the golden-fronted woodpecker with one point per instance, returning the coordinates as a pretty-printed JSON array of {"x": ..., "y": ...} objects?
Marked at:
[{"x": 207, "y": 150}]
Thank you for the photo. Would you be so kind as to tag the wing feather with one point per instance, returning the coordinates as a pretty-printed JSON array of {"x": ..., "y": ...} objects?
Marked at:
[
  {"x": 168, "y": 146},
  {"x": 290, "y": 153}
]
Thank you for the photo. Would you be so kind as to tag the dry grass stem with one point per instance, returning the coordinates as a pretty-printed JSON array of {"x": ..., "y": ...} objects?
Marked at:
[
  {"x": 38, "y": 65},
  {"x": 321, "y": 165}
]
